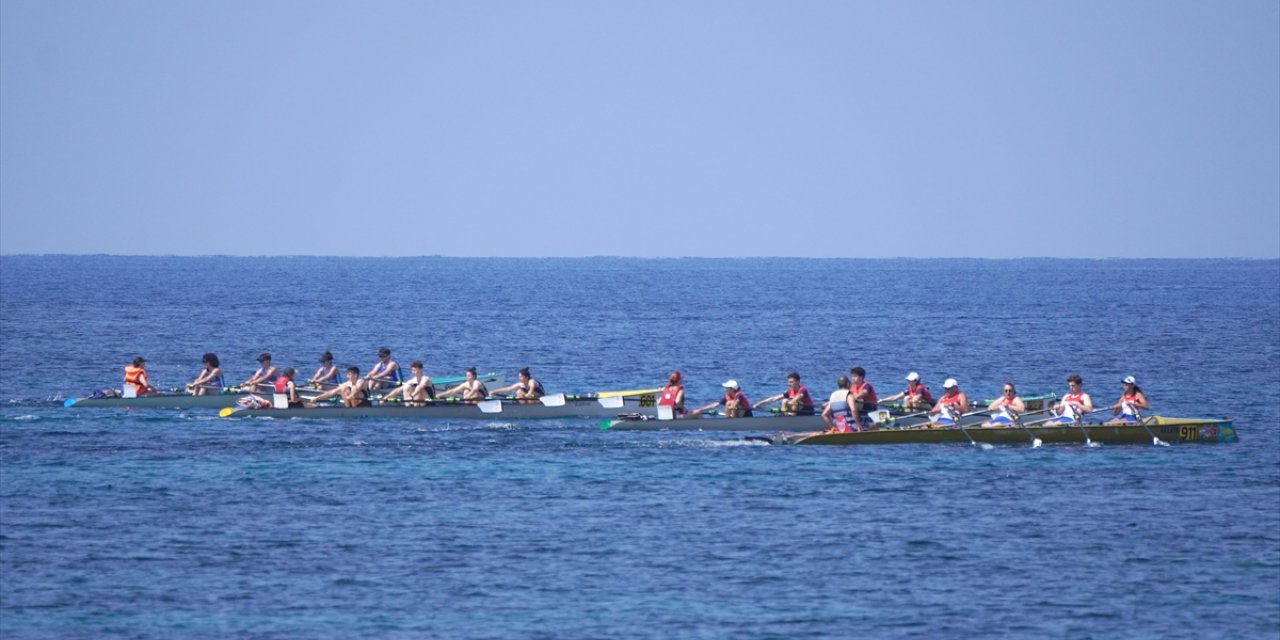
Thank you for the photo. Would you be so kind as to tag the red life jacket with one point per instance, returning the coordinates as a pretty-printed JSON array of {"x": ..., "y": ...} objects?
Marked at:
[
  {"x": 800, "y": 392},
  {"x": 136, "y": 376},
  {"x": 870, "y": 401},
  {"x": 282, "y": 384},
  {"x": 668, "y": 396}
]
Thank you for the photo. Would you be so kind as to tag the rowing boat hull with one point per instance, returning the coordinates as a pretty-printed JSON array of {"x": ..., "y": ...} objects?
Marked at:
[
  {"x": 572, "y": 408},
  {"x": 165, "y": 401},
  {"x": 220, "y": 400},
  {"x": 1170, "y": 430}
]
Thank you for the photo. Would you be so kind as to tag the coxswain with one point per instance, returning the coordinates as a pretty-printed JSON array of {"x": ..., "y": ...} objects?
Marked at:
[
  {"x": 262, "y": 376},
  {"x": 1005, "y": 409},
  {"x": 284, "y": 385},
  {"x": 416, "y": 390},
  {"x": 672, "y": 394},
  {"x": 735, "y": 402},
  {"x": 353, "y": 392},
  {"x": 950, "y": 407},
  {"x": 384, "y": 373},
  {"x": 472, "y": 390},
  {"x": 210, "y": 378},
  {"x": 796, "y": 400},
  {"x": 915, "y": 397},
  {"x": 1074, "y": 405},
  {"x": 1132, "y": 401},
  {"x": 135, "y": 377},
  {"x": 527, "y": 389},
  {"x": 836, "y": 413},
  {"x": 326, "y": 375}
]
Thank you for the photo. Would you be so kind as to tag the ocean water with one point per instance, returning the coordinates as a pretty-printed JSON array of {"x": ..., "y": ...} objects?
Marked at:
[{"x": 170, "y": 524}]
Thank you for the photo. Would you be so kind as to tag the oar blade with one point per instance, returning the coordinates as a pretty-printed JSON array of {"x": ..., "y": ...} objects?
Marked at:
[
  {"x": 553, "y": 400},
  {"x": 491, "y": 406},
  {"x": 226, "y": 411},
  {"x": 69, "y": 402}
]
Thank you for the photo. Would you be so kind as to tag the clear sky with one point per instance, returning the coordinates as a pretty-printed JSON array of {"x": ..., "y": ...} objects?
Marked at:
[{"x": 690, "y": 128}]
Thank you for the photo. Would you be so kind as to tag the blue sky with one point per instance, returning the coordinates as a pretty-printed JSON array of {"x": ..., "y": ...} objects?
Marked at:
[{"x": 706, "y": 128}]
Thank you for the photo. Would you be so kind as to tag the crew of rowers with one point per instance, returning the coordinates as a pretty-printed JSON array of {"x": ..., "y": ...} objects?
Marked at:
[
  {"x": 355, "y": 390},
  {"x": 852, "y": 405}
]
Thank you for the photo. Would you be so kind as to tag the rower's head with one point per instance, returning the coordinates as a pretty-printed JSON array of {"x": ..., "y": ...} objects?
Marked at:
[
  {"x": 384, "y": 353},
  {"x": 353, "y": 373},
  {"x": 793, "y": 379},
  {"x": 210, "y": 360},
  {"x": 288, "y": 372},
  {"x": 326, "y": 358},
  {"x": 1009, "y": 390},
  {"x": 674, "y": 378},
  {"x": 730, "y": 386},
  {"x": 139, "y": 361},
  {"x": 1074, "y": 381},
  {"x": 416, "y": 367},
  {"x": 471, "y": 373},
  {"x": 1129, "y": 382},
  {"x": 913, "y": 380},
  {"x": 524, "y": 374},
  {"x": 858, "y": 373},
  {"x": 951, "y": 386},
  {"x": 842, "y": 382},
  {"x": 264, "y": 358}
]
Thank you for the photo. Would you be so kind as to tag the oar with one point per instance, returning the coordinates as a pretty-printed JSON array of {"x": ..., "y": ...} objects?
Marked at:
[
  {"x": 629, "y": 392},
  {"x": 1154, "y": 440},
  {"x": 960, "y": 425},
  {"x": 1017, "y": 420}
]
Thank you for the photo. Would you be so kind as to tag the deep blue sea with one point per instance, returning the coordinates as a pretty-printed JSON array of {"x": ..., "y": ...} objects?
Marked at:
[{"x": 179, "y": 524}]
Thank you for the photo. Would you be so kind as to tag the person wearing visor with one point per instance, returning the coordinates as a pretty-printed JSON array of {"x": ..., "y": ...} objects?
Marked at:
[
  {"x": 915, "y": 397},
  {"x": 953, "y": 404},
  {"x": 1132, "y": 401},
  {"x": 735, "y": 402}
]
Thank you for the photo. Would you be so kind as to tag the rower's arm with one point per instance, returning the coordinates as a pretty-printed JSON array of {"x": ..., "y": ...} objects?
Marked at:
[
  {"x": 330, "y": 393},
  {"x": 510, "y": 387},
  {"x": 767, "y": 401},
  {"x": 897, "y": 396},
  {"x": 451, "y": 391}
]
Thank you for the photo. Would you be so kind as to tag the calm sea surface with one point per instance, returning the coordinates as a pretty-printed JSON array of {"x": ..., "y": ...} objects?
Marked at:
[{"x": 180, "y": 524}]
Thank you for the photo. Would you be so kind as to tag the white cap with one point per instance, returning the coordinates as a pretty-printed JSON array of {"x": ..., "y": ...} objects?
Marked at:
[
  {"x": 730, "y": 384},
  {"x": 951, "y": 382},
  {"x": 913, "y": 377},
  {"x": 1130, "y": 380}
]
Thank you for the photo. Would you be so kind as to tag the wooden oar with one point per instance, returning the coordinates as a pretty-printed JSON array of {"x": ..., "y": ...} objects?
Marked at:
[{"x": 629, "y": 392}]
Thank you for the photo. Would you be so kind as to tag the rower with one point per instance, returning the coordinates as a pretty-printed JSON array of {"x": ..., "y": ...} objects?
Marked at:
[
  {"x": 472, "y": 390},
  {"x": 1132, "y": 400},
  {"x": 836, "y": 412},
  {"x": 384, "y": 373},
  {"x": 672, "y": 395},
  {"x": 353, "y": 392},
  {"x": 1074, "y": 405},
  {"x": 735, "y": 402},
  {"x": 915, "y": 397},
  {"x": 210, "y": 378},
  {"x": 262, "y": 376},
  {"x": 416, "y": 391},
  {"x": 1005, "y": 409},
  {"x": 950, "y": 407},
  {"x": 796, "y": 400},
  {"x": 135, "y": 378},
  {"x": 326, "y": 375},
  {"x": 862, "y": 396},
  {"x": 527, "y": 389}
]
